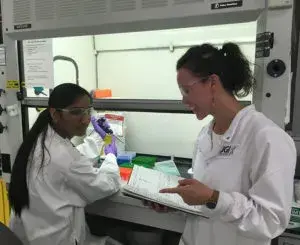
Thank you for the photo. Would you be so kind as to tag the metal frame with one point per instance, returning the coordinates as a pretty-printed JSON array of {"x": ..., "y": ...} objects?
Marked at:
[
  {"x": 13, "y": 136},
  {"x": 274, "y": 106},
  {"x": 170, "y": 47},
  {"x": 296, "y": 112},
  {"x": 4, "y": 147},
  {"x": 133, "y": 20},
  {"x": 160, "y": 106},
  {"x": 268, "y": 20}
]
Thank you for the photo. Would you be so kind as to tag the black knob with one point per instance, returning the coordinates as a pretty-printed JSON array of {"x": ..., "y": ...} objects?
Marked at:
[
  {"x": 2, "y": 91},
  {"x": 2, "y": 128},
  {"x": 276, "y": 68},
  {"x": 2, "y": 110}
]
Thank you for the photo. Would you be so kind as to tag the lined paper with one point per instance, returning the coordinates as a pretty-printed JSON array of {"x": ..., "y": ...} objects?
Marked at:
[{"x": 146, "y": 183}]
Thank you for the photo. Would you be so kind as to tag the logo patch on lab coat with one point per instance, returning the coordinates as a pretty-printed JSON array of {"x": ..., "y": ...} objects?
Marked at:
[{"x": 227, "y": 150}]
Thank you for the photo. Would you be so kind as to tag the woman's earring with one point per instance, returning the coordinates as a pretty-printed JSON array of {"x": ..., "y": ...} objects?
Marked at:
[{"x": 213, "y": 101}]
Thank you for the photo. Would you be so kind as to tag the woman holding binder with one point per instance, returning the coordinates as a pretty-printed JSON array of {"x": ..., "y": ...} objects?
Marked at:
[{"x": 243, "y": 164}]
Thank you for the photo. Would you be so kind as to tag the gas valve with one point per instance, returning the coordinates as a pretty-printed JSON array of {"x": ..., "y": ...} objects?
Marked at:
[
  {"x": 2, "y": 110},
  {"x": 2, "y": 91},
  {"x": 2, "y": 128}
]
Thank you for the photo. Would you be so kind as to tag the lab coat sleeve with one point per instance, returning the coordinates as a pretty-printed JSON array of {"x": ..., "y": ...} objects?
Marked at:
[
  {"x": 91, "y": 145},
  {"x": 196, "y": 144},
  {"x": 94, "y": 183},
  {"x": 264, "y": 212}
]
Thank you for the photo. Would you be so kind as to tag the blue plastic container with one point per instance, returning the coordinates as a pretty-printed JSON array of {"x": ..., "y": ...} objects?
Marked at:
[{"x": 125, "y": 157}]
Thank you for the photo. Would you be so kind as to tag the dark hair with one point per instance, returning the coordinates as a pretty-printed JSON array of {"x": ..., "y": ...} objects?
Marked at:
[
  {"x": 228, "y": 63},
  {"x": 62, "y": 96}
]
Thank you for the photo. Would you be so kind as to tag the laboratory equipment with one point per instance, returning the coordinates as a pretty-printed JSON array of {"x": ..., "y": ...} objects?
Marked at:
[
  {"x": 125, "y": 173},
  {"x": 101, "y": 93},
  {"x": 109, "y": 145},
  {"x": 30, "y": 19},
  {"x": 2, "y": 110},
  {"x": 67, "y": 18},
  {"x": 69, "y": 59},
  {"x": 2, "y": 91},
  {"x": 104, "y": 125},
  {"x": 145, "y": 161},
  {"x": 2, "y": 127},
  {"x": 168, "y": 167},
  {"x": 126, "y": 157}
]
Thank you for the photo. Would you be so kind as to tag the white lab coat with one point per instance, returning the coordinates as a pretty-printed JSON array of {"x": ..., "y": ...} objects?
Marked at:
[
  {"x": 60, "y": 191},
  {"x": 253, "y": 168}
]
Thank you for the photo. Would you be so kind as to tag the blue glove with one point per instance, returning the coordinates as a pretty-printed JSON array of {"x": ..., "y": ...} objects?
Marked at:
[
  {"x": 111, "y": 148},
  {"x": 101, "y": 126}
]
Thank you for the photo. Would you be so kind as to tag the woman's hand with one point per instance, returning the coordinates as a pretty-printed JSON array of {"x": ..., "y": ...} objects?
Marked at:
[
  {"x": 192, "y": 191},
  {"x": 157, "y": 207},
  {"x": 97, "y": 127},
  {"x": 112, "y": 147}
]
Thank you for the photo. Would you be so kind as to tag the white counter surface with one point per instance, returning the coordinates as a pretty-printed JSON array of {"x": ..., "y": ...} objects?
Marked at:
[{"x": 129, "y": 209}]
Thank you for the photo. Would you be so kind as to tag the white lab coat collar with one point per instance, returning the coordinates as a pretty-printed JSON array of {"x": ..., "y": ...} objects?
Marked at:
[
  {"x": 228, "y": 135},
  {"x": 51, "y": 134}
]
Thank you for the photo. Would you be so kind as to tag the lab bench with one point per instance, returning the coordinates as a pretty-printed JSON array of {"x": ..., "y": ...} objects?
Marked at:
[
  {"x": 133, "y": 210},
  {"x": 120, "y": 213},
  {"x": 124, "y": 213},
  {"x": 122, "y": 217}
]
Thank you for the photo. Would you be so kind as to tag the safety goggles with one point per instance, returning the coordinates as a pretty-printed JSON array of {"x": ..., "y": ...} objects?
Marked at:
[
  {"x": 77, "y": 111},
  {"x": 186, "y": 90}
]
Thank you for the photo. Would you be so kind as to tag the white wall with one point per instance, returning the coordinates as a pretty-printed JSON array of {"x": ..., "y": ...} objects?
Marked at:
[
  {"x": 162, "y": 133},
  {"x": 81, "y": 50},
  {"x": 131, "y": 71},
  {"x": 151, "y": 74}
]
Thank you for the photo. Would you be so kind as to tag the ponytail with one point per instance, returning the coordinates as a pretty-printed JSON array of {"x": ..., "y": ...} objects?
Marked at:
[
  {"x": 237, "y": 75},
  {"x": 18, "y": 188}
]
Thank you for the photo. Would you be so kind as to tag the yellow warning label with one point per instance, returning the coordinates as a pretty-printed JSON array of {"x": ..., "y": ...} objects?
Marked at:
[{"x": 11, "y": 84}]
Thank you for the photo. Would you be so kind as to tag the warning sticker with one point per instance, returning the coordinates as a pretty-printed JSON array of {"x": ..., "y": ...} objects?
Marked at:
[
  {"x": 11, "y": 84},
  {"x": 225, "y": 5}
]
